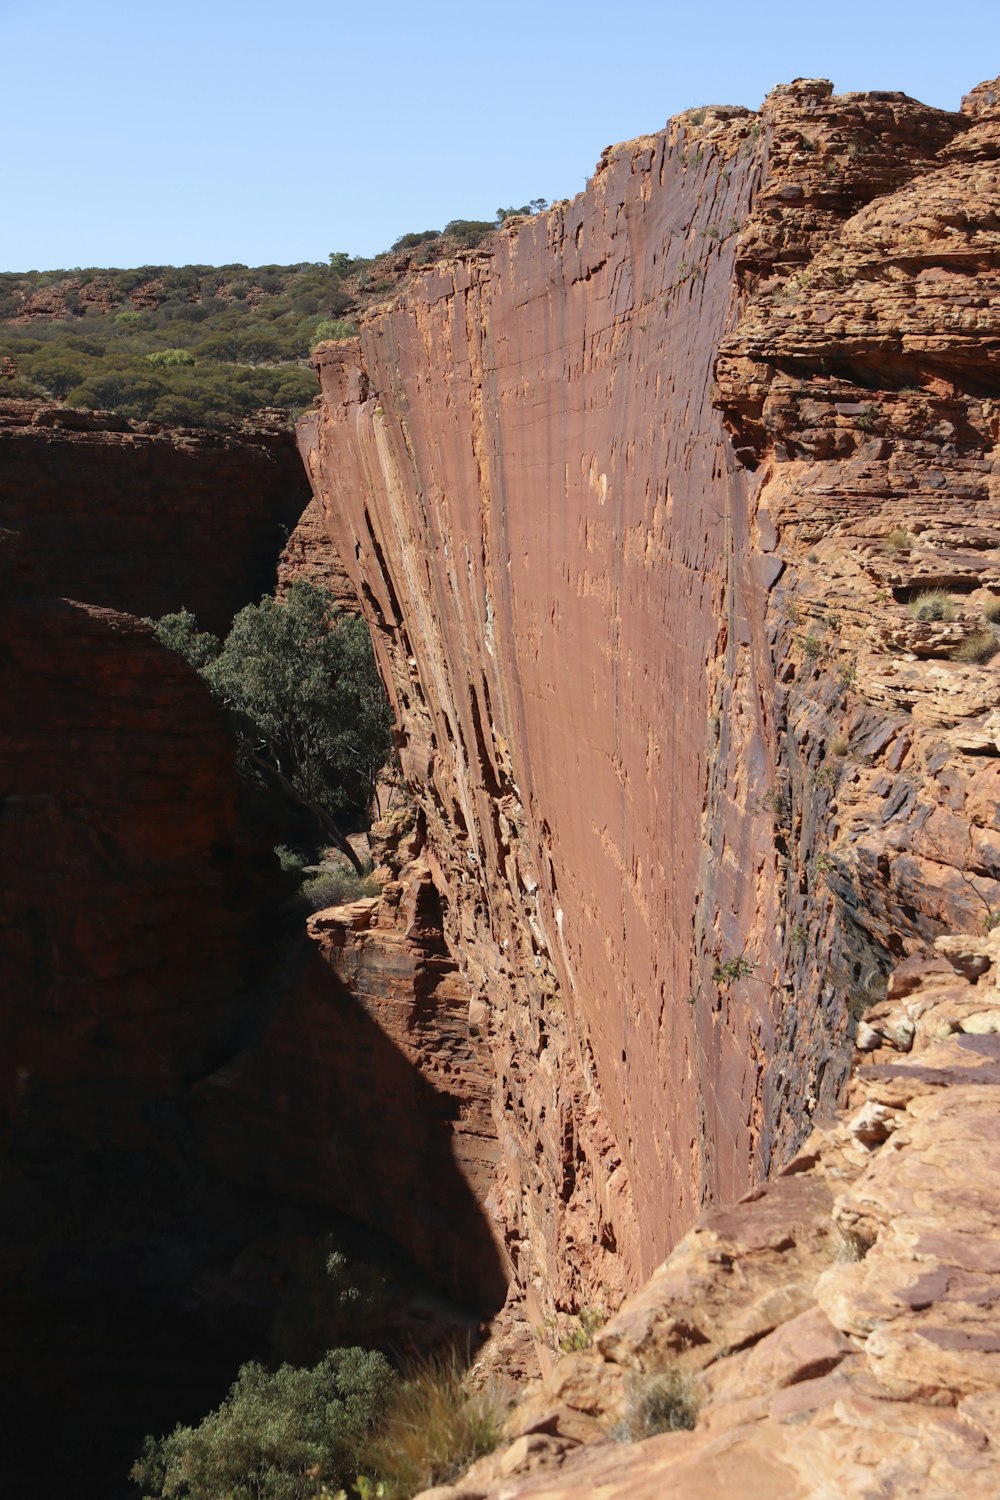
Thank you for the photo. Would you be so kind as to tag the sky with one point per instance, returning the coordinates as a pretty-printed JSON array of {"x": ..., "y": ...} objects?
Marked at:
[{"x": 214, "y": 132}]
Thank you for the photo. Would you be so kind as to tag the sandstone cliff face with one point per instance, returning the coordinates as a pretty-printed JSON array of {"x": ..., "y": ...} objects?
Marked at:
[
  {"x": 133, "y": 884},
  {"x": 622, "y": 498},
  {"x": 129, "y": 516}
]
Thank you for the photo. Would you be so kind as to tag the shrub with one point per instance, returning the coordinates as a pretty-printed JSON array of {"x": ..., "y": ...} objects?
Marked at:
[
  {"x": 581, "y": 1336},
  {"x": 990, "y": 609},
  {"x": 337, "y": 888},
  {"x": 334, "y": 328},
  {"x": 167, "y": 357},
  {"x": 291, "y": 862},
  {"x": 469, "y": 232},
  {"x": 667, "y": 1402},
  {"x": 899, "y": 540},
  {"x": 414, "y": 238},
  {"x": 277, "y": 1436},
  {"x": 733, "y": 969},
  {"x": 977, "y": 648},
  {"x": 434, "y": 1428},
  {"x": 932, "y": 604}
]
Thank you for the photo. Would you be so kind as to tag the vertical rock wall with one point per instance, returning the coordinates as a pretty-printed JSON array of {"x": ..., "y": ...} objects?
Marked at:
[
  {"x": 591, "y": 552},
  {"x": 524, "y": 472}
]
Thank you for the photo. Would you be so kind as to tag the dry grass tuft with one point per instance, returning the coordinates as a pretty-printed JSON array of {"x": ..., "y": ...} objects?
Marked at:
[
  {"x": 434, "y": 1429},
  {"x": 667, "y": 1402},
  {"x": 977, "y": 648},
  {"x": 932, "y": 604}
]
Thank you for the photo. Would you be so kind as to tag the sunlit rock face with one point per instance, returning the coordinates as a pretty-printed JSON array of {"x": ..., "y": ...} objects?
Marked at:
[{"x": 619, "y": 496}]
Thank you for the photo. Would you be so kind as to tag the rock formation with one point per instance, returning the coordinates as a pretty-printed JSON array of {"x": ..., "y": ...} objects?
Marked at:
[
  {"x": 370, "y": 1088},
  {"x": 640, "y": 502},
  {"x": 129, "y": 516},
  {"x": 835, "y": 1331},
  {"x": 132, "y": 883}
]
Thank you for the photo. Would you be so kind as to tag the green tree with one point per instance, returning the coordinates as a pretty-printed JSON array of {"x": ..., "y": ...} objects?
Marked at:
[
  {"x": 286, "y": 1435},
  {"x": 305, "y": 700},
  {"x": 180, "y": 633},
  {"x": 301, "y": 679}
]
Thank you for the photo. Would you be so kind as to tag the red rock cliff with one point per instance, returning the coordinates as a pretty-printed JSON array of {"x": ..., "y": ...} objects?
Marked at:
[
  {"x": 131, "y": 516},
  {"x": 621, "y": 497}
]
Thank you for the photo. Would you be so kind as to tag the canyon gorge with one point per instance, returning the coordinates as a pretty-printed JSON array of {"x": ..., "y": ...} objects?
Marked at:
[{"x": 674, "y": 513}]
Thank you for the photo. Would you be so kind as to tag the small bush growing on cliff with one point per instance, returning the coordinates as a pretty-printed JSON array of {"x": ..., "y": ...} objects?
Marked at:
[
  {"x": 932, "y": 604},
  {"x": 667, "y": 1402},
  {"x": 335, "y": 888},
  {"x": 286, "y": 1435}
]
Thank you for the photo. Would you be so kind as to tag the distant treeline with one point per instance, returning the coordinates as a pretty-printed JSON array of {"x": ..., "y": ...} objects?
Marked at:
[{"x": 199, "y": 346}]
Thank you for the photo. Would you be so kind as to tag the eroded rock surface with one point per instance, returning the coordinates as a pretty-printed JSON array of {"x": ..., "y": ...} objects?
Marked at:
[
  {"x": 837, "y": 1331},
  {"x": 370, "y": 1087},
  {"x": 133, "y": 885}
]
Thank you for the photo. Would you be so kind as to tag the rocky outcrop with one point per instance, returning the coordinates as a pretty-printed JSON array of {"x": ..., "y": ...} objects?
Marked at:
[
  {"x": 834, "y": 1332},
  {"x": 308, "y": 556},
  {"x": 857, "y": 385},
  {"x": 370, "y": 1089},
  {"x": 637, "y": 500},
  {"x": 131, "y": 516}
]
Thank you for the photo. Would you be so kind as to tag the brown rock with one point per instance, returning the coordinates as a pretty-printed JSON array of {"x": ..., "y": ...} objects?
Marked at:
[{"x": 132, "y": 517}]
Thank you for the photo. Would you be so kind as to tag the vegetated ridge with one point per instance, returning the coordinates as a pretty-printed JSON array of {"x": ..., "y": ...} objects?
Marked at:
[{"x": 198, "y": 346}]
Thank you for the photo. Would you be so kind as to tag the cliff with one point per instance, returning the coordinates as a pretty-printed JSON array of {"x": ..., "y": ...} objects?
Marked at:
[
  {"x": 144, "y": 519},
  {"x": 641, "y": 503}
]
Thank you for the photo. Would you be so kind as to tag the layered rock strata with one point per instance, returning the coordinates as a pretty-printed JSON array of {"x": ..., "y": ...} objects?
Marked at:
[
  {"x": 130, "y": 516},
  {"x": 621, "y": 497},
  {"x": 834, "y": 1332},
  {"x": 132, "y": 884}
]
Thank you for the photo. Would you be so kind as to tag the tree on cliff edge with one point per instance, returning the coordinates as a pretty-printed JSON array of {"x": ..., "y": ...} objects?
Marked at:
[{"x": 299, "y": 683}]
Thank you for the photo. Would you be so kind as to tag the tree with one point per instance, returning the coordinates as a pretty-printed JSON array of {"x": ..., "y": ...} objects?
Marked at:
[
  {"x": 286, "y": 1435},
  {"x": 299, "y": 682},
  {"x": 179, "y": 632}
]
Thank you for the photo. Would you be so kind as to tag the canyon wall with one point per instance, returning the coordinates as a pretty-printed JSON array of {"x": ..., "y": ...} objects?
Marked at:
[
  {"x": 132, "y": 516},
  {"x": 135, "y": 883},
  {"x": 638, "y": 502},
  {"x": 157, "y": 992}
]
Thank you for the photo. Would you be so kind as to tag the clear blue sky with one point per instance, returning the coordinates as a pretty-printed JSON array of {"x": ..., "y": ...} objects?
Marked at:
[{"x": 214, "y": 131}]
